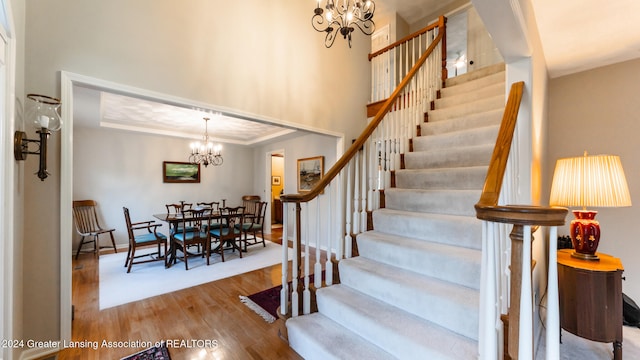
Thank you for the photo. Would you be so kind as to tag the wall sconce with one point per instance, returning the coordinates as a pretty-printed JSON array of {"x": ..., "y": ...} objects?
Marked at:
[{"x": 45, "y": 118}]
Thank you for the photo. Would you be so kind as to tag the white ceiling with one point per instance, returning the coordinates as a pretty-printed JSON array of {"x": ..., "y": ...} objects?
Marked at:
[{"x": 576, "y": 35}]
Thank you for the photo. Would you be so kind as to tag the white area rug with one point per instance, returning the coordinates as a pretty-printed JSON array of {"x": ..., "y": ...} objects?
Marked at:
[{"x": 151, "y": 279}]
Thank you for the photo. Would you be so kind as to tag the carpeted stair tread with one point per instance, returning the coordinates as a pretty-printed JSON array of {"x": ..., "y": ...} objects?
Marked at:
[
  {"x": 446, "y": 262},
  {"x": 453, "y": 98},
  {"x": 452, "y": 306},
  {"x": 394, "y": 330},
  {"x": 479, "y": 119},
  {"x": 467, "y": 178},
  {"x": 449, "y": 202},
  {"x": 445, "y": 229},
  {"x": 485, "y": 135},
  {"x": 315, "y": 336},
  {"x": 487, "y": 104},
  {"x": 449, "y": 157},
  {"x": 482, "y": 73}
]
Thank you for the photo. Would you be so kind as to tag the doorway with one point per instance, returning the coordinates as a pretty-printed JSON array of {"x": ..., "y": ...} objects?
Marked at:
[{"x": 277, "y": 188}]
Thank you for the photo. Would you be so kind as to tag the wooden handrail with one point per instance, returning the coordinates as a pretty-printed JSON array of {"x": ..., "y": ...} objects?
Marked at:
[
  {"x": 487, "y": 207},
  {"x": 355, "y": 146},
  {"x": 408, "y": 37}
]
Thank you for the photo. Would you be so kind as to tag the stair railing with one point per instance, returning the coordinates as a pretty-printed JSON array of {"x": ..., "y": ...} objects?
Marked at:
[
  {"x": 350, "y": 189},
  {"x": 506, "y": 279}
]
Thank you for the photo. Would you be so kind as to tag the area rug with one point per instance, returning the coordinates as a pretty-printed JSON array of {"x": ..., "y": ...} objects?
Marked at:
[
  {"x": 118, "y": 287},
  {"x": 154, "y": 353},
  {"x": 265, "y": 303}
]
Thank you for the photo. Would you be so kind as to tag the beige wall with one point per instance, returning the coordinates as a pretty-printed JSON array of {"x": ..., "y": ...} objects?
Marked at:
[
  {"x": 597, "y": 111},
  {"x": 253, "y": 56}
]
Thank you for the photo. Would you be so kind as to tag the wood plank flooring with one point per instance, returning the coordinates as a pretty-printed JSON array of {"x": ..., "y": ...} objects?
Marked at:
[{"x": 209, "y": 314}]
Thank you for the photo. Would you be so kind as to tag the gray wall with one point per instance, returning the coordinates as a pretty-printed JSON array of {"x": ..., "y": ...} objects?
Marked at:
[
  {"x": 597, "y": 111},
  {"x": 119, "y": 168},
  {"x": 260, "y": 57}
]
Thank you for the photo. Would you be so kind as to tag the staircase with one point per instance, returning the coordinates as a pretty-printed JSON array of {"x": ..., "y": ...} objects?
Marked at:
[{"x": 413, "y": 291}]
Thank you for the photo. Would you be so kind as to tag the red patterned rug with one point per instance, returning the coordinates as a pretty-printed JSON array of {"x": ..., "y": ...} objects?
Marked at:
[{"x": 154, "y": 353}]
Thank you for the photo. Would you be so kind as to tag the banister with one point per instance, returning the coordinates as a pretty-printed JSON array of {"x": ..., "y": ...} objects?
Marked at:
[
  {"x": 440, "y": 24},
  {"x": 355, "y": 146}
]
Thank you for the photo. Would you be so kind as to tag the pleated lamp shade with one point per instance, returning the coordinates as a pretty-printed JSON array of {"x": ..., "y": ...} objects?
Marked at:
[
  {"x": 594, "y": 181},
  {"x": 590, "y": 180}
]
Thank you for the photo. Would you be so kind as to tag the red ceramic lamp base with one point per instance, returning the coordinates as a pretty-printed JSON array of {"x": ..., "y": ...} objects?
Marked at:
[{"x": 585, "y": 234}]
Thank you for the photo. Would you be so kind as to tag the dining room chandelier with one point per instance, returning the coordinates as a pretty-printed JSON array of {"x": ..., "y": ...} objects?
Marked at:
[
  {"x": 343, "y": 16},
  {"x": 205, "y": 153}
]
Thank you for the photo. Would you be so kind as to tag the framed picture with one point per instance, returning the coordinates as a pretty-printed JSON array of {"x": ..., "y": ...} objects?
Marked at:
[
  {"x": 180, "y": 172},
  {"x": 310, "y": 171},
  {"x": 275, "y": 180}
]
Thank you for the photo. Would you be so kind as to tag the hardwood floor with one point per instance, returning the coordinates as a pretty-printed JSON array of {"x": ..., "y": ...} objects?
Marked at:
[{"x": 210, "y": 315}]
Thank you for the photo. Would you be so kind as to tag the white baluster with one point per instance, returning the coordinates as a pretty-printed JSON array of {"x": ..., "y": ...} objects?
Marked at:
[
  {"x": 488, "y": 342},
  {"x": 284, "y": 293},
  {"x": 338, "y": 224},
  {"x": 317, "y": 270},
  {"x": 328, "y": 266},
  {"x": 525, "y": 345},
  {"x": 347, "y": 236},
  {"x": 306, "y": 294},
  {"x": 356, "y": 195},
  {"x": 363, "y": 189},
  {"x": 553, "y": 307},
  {"x": 295, "y": 309}
]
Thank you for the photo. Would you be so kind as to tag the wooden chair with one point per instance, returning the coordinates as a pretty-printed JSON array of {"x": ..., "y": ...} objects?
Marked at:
[
  {"x": 143, "y": 234},
  {"x": 254, "y": 225},
  {"x": 186, "y": 238},
  {"x": 228, "y": 233},
  {"x": 178, "y": 209},
  {"x": 250, "y": 204},
  {"x": 88, "y": 226}
]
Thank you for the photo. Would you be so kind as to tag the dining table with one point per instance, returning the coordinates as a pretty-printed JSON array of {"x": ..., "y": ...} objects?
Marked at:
[{"x": 174, "y": 219}]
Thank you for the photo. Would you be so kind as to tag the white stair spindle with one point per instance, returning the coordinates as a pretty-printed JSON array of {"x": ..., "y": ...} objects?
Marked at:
[
  {"x": 347, "y": 236},
  {"x": 553, "y": 307},
  {"x": 306, "y": 294},
  {"x": 328, "y": 266},
  {"x": 339, "y": 214},
  {"x": 525, "y": 345},
  {"x": 284, "y": 293},
  {"x": 295, "y": 309},
  {"x": 317, "y": 270}
]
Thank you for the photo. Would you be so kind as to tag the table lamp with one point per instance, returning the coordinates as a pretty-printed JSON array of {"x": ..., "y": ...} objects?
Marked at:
[{"x": 588, "y": 181}]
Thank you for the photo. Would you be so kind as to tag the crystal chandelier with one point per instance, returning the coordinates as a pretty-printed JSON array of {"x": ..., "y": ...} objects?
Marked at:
[
  {"x": 205, "y": 153},
  {"x": 342, "y": 16}
]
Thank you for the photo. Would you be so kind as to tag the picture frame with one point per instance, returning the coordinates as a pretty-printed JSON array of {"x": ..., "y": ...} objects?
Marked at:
[
  {"x": 180, "y": 172},
  {"x": 276, "y": 180},
  {"x": 310, "y": 172}
]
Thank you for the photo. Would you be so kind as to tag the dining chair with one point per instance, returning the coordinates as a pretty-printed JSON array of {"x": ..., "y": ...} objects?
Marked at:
[
  {"x": 87, "y": 225},
  {"x": 177, "y": 210},
  {"x": 250, "y": 204},
  {"x": 143, "y": 234},
  {"x": 184, "y": 239},
  {"x": 254, "y": 225},
  {"x": 228, "y": 234}
]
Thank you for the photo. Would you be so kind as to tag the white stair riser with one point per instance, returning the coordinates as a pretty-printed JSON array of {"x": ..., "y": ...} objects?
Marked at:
[
  {"x": 453, "y": 264},
  {"x": 448, "y": 158},
  {"x": 452, "y": 178},
  {"x": 449, "y": 306},
  {"x": 460, "y": 139},
  {"x": 449, "y": 202},
  {"x": 455, "y": 230}
]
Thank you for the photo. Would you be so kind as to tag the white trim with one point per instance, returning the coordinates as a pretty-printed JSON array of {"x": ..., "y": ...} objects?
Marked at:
[
  {"x": 68, "y": 80},
  {"x": 7, "y": 181}
]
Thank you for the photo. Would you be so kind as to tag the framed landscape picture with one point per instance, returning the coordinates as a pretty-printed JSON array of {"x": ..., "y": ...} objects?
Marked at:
[
  {"x": 180, "y": 172},
  {"x": 310, "y": 171}
]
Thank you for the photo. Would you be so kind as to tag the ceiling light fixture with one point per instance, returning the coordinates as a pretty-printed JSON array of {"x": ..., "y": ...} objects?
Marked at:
[
  {"x": 205, "y": 153},
  {"x": 343, "y": 18}
]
